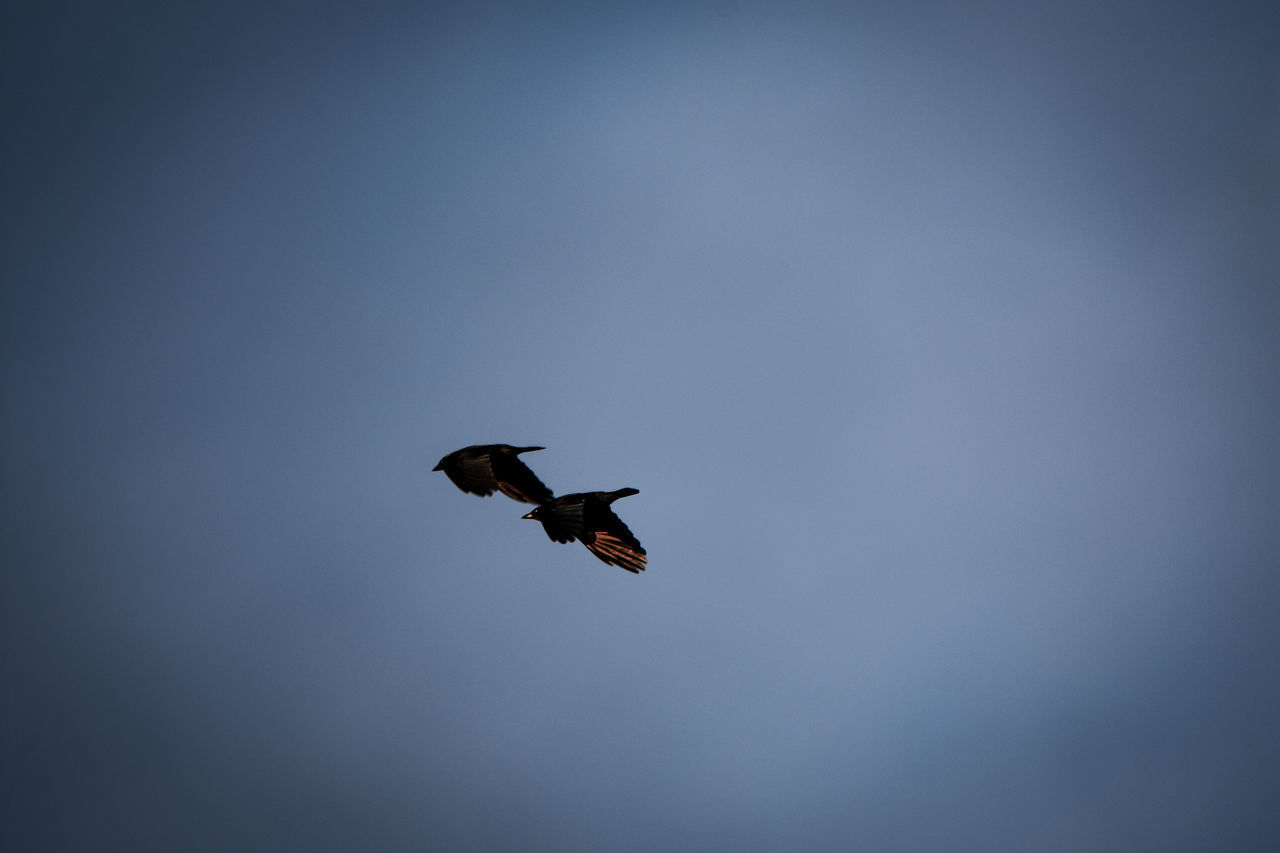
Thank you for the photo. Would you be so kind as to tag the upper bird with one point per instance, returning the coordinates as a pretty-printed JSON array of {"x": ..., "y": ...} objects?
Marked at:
[
  {"x": 586, "y": 516},
  {"x": 482, "y": 468}
]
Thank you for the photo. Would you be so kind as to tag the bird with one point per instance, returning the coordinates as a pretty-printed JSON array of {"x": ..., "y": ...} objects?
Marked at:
[
  {"x": 586, "y": 516},
  {"x": 482, "y": 468}
]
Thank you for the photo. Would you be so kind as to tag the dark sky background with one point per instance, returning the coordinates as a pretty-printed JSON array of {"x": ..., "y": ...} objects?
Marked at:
[{"x": 940, "y": 339}]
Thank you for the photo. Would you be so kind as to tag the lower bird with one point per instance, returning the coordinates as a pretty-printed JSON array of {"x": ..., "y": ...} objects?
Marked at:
[
  {"x": 482, "y": 468},
  {"x": 586, "y": 516}
]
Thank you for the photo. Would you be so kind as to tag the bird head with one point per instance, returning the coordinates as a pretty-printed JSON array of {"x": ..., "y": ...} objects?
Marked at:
[{"x": 535, "y": 514}]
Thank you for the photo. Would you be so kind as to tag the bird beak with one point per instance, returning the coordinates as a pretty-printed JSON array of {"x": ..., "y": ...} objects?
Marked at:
[
  {"x": 529, "y": 514},
  {"x": 438, "y": 466}
]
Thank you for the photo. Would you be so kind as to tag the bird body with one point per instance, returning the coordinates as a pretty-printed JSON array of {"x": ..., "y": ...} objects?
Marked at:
[
  {"x": 587, "y": 517},
  {"x": 483, "y": 468}
]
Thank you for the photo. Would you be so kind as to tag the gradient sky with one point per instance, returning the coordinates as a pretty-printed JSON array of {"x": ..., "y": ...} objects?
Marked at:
[{"x": 940, "y": 339}]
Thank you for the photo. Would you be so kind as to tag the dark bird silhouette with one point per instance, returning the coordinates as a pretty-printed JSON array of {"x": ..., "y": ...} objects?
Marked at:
[
  {"x": 482, "y": 468},
  {"x": 587, "y": 517}
]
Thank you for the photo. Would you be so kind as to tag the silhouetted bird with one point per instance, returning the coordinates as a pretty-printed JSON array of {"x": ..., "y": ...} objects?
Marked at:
[
  {"x": 587, "y": 517},
  {"x": 481, "y": 468}
]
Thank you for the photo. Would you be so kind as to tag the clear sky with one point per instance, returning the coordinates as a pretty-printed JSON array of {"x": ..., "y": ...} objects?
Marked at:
[{"x": 940, "y": 339}]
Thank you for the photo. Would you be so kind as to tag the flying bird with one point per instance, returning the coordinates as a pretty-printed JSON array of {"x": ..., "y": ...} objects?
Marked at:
[
  {"x": 482, "y": 468},
  {"x": 587, "y": 517}
]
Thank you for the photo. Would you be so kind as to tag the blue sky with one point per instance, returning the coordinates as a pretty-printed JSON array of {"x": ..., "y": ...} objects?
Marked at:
[{"x": 939, "y": 340}]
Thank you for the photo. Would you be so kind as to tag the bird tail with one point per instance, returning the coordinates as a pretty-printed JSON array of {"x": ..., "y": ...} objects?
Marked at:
[{"x": 610, "y": 497}]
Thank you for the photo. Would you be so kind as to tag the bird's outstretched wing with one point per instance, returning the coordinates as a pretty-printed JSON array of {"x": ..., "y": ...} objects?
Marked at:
[
  {"x": 618, "y": 548},
  {"x": 484, "y": 468}
]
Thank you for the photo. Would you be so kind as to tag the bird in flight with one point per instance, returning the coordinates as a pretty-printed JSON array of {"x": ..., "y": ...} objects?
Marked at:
[
  {"x": 482, "y": 468},
  {"x": 587, "y": 517}
]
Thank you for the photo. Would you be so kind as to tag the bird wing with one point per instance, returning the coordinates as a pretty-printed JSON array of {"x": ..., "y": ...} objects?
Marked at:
[
  {"x": 516, "y": 481},
  {"x": 613, "y": 542},
  {"x": 562, "y": 518},
  {"x": 471, "y": 469},
  {"x": 617, "y": 552}
]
